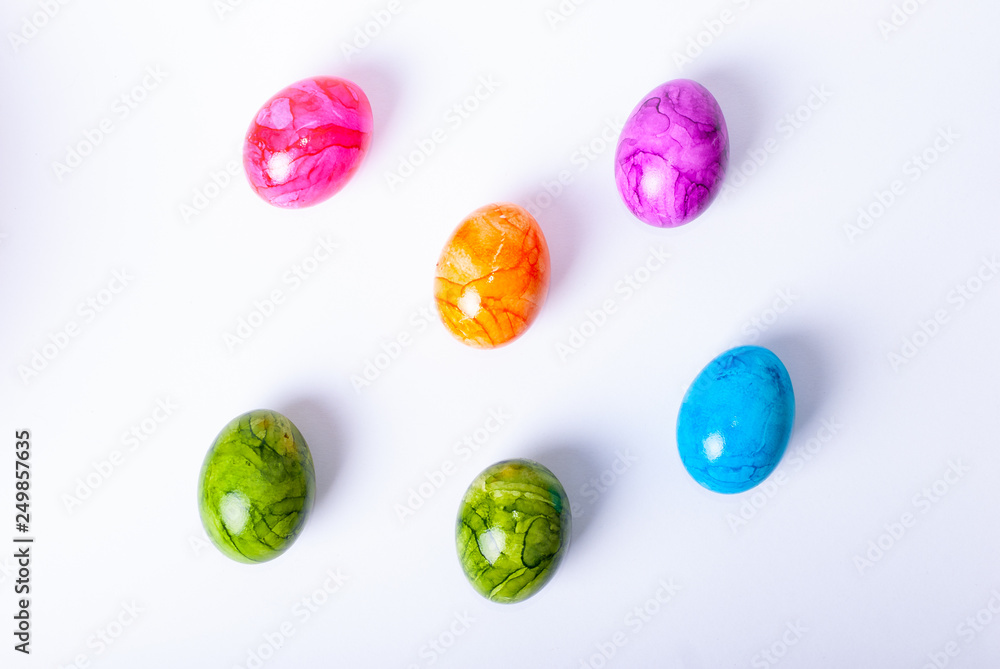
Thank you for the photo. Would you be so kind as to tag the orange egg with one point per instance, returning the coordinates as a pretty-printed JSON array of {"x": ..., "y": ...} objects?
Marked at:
[{"x": 493, "y": 276}]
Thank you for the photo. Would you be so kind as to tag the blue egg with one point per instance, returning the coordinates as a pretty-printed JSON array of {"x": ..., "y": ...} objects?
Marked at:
[{"x": 735, "y": 420}]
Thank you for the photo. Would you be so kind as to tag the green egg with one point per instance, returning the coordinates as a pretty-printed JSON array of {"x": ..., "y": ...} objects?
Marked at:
[
  {"x": 513, "y": 529},
  {"x": 257, "y": 487}
]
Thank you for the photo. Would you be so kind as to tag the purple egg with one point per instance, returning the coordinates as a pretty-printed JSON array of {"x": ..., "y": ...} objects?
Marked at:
[{"x": 672, "y": 154}]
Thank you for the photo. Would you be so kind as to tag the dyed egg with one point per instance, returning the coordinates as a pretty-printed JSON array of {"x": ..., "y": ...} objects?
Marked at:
[
  {"x": 735, "y": 420},
  {"x": 493, "y": 276},
  {"x": 307, "y": 141},
  {"x": 513, "y": 529},
  {"x": 257, "y": 487},
  {"x": 672, "y": 154}
]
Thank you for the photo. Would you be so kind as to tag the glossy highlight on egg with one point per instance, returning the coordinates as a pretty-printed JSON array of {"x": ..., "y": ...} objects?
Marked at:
[
  {"x": 307, "y": 141},
  {"x": 513, "y": 529},
  {"x": 672, "y": 154},
  {"x": 492, "y": 276},
  {"x": 736, "y": 419}
]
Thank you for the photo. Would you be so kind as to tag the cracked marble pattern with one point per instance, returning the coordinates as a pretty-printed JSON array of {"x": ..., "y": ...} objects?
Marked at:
[
  {"x": 307, "y": 141},
  {"x": 513, "y": 528},
  {"x": 257, "y": 487},
  {"x": 492, "y": 276},
  {"x": 672, "y": 154},
  {"x": 735, "y": 420}
]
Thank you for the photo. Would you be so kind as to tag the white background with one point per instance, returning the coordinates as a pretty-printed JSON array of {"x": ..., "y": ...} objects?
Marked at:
[{"x": 799, "y": 554}]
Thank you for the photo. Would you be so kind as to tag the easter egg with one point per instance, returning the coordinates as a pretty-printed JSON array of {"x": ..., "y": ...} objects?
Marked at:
[
  {"x": 256, "y": 487},
  {"x": 493, "y": 276},
  {"x": 735, "y": 420},
  {"x": 307, "y": 141},
  {"x": 513, "y": 529},
  {"x": 672, "y": 154}
]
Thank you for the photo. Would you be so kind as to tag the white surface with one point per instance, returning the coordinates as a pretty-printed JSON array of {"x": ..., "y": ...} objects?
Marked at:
[{"x": 787, "y": 579}]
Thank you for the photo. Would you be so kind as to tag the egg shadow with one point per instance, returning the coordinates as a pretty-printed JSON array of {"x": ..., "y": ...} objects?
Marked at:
[
  {"x": 740, "y": 107},
  {"x": 574, "y": 465},
  {"x": 808, "y": 367},
  {"x": 322, "y": 431},
  {"x": 381, "y": 83},
  {"x": 561, "y": 219}
]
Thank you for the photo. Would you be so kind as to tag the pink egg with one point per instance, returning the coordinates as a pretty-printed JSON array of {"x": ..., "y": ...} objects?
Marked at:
[{"x": 307, "y": 141}]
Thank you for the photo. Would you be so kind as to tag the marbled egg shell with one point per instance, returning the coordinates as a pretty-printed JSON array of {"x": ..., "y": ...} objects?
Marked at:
[
  {"x": 493, "y": 276},
  {"x": 257, "y": 487},
  {"x": 735, "y": 420},
  {"x": 307, "y": 141},
  {"x": 513, "y": 529},
  {"x": 672, "y": 154}
]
